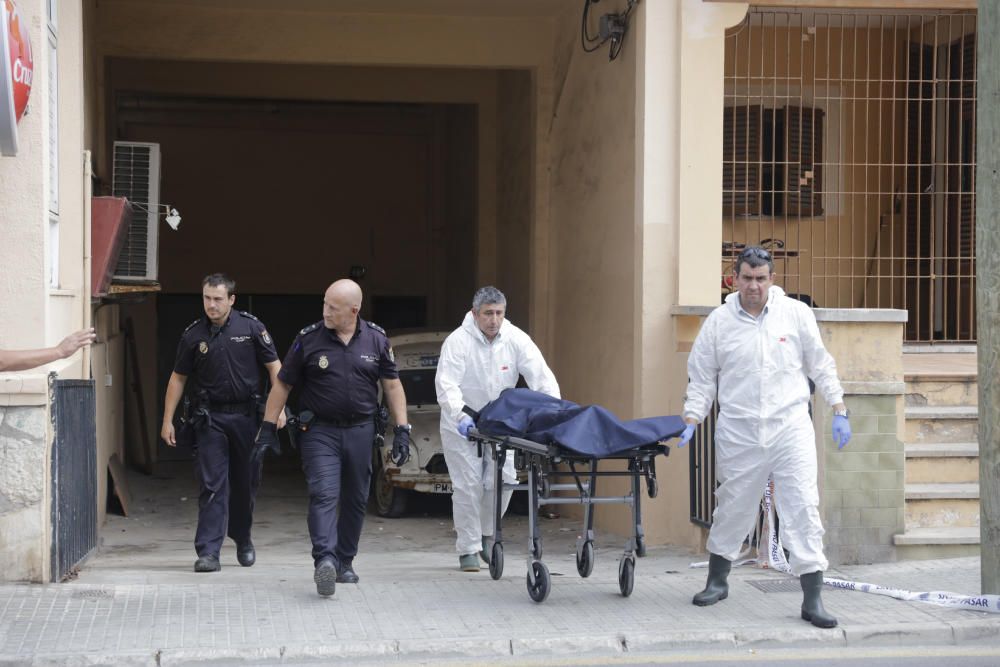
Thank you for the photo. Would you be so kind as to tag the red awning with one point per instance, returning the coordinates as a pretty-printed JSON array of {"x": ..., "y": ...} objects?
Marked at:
[{"x": 109, "y": 222}]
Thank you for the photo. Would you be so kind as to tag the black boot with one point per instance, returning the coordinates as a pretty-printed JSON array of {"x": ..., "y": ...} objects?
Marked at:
[
  {"x": 812, "y": 605},
  {"x": 716, "y": 589}
]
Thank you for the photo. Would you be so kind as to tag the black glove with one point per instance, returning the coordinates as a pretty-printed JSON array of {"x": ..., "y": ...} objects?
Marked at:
[
  {"x": 400, "y": 445},
  {"x": 267, "y": 439}
]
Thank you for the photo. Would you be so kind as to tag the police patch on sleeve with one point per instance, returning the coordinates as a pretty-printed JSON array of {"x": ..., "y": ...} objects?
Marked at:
[
  {"x": 266, "y": 337},
  {"x": 392, "y": 356}
]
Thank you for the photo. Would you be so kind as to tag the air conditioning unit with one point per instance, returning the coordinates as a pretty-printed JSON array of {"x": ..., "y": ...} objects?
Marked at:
[{"x": 136, "y": 176}]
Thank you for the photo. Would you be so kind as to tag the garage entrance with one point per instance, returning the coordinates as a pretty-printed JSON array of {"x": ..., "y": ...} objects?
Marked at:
[{"x": 286, "y": 189}]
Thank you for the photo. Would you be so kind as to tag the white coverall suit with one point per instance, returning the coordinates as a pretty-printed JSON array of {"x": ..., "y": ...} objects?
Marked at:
[
  {"x": 473, "y": 371},
  {"x": 761, "y": 367}
]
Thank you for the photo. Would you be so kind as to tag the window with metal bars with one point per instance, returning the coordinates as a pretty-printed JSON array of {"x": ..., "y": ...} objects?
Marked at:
[
  {"x": 849, "y": 144},
  {"x": 772, "y": 161}
]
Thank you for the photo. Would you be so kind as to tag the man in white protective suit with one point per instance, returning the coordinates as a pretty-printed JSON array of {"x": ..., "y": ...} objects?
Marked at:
[
  {"x": 757, "y": 353},
  {"x": 478, "y": 360}
]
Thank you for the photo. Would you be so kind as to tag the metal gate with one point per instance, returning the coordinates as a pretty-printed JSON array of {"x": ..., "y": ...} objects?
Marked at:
[
  {"x": 849, "y": 151},
  {"x": 74, "y": 474},
  {"x": 701, "y": 468}
]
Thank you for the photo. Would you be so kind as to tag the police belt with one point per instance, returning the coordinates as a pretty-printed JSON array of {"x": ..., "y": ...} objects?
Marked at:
[
  {"x": 353, "y": 419},
  {"x": 241, "y": 407}
]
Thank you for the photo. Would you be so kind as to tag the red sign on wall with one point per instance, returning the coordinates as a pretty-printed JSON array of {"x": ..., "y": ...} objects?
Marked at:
[{"x": 16, "y": 72}]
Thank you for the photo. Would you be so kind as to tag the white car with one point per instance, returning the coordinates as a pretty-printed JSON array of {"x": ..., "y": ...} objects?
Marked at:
[{"x": 426, "y": 472}]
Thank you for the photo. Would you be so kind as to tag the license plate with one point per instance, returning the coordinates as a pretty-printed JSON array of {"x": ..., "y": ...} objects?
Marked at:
[{"x": 441, "y": 487}]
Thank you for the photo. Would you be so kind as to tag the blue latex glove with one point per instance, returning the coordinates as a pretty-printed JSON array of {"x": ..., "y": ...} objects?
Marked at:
[
  {"x": 687, "y": 435},
  {"x": 841, "y": 431},
  {"x": 464, "y": 424}
]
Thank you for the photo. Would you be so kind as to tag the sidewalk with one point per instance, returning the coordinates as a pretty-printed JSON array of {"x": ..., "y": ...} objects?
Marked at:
[{"x": 138, "y": 602}]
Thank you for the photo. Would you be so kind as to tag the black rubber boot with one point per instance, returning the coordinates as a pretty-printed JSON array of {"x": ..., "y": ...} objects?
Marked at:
[
  {"x": 812, "y": 605},
  {"x": 716, "y": 589}
]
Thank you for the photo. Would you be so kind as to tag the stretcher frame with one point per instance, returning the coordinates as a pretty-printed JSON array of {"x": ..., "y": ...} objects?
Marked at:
[{"x": 533, "y": 457}]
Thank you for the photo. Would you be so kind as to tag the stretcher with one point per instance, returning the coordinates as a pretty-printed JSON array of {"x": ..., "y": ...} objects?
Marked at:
[{"x": 564, "y": 461}]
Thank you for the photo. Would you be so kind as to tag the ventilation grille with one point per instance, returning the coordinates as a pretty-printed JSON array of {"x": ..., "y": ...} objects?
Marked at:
[{"x": 136, "y": 177}]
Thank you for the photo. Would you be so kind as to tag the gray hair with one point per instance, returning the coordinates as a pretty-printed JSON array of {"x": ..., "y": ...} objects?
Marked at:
[{"x": 488, "y": 294}]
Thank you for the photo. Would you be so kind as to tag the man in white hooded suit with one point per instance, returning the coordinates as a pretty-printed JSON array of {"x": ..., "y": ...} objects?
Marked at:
[{"x": 478, "y": 360}]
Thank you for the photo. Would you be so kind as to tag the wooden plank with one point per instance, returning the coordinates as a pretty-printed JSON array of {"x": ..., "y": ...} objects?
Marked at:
[{"x": 119, "y": 481}]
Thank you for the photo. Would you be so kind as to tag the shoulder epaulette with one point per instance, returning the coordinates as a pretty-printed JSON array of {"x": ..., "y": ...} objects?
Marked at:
[
  {"x": 249, "y": 315},
  {"x": 190, "y": 326},
  {"x": 311, "y": 327},
  {"x": 376, "y": 328}
]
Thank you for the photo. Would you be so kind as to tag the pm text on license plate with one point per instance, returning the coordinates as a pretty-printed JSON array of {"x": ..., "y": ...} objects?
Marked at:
[{"x": 441, "y": 487}]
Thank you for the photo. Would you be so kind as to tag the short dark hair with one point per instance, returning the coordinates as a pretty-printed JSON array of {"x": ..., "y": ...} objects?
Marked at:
[
  {"x": 216, "y": 279},
  {"x": 754, "y": 256}
]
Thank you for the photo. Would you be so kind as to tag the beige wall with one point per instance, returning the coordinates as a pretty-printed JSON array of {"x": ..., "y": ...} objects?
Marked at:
[
  {"x": 593, "y": 229},
  {"x": 40, "y": 314},
  {"x": 110, "y": 383},
  {"x": 515, "y": 191}
]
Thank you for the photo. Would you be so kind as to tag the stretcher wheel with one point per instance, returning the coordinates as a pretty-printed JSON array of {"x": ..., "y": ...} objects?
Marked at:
[
  {"x": 626, "y": 575},
  {"x": 496, "y": 561},
  {"x": 640, "y": 547},
  {"x": 540, "y": 589},
  {"x": 536, "y": 548},
  {"x": 585, "y": 559},
  {"x": 652, "y": 487}
]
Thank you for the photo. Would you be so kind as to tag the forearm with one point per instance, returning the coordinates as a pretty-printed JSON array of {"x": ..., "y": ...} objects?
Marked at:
[
  {"x": 396, "y": 398},
  {"x": 175, "y": 389},
  {"x": 273, "y": 368},
  {"x": 20, "y": 360},
  {"x": 276, "y": 399}
]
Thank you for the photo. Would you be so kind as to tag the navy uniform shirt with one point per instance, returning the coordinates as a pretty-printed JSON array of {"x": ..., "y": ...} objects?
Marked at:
[
  {"x": 226, "y": 360},
  {"x": 339, "y": 382}
]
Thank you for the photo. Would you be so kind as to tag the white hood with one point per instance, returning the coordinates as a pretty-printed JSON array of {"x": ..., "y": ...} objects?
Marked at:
[{"x": 473, "y": 371}]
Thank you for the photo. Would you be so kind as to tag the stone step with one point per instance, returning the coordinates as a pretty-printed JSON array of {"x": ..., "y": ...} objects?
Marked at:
[
  {"x": 924, "y": 543},
  {"x": 942, "y": 463},
  {"x": 942, "y": 412},
  {"x": 927, "y": 536},
  {"x": 941, "y": 505},
  {"x": 929, "y": 450},
  {"x": 940, "y": 424},
  {"x": 941, "y": 491},
  {"x": 954, "y": 391}
]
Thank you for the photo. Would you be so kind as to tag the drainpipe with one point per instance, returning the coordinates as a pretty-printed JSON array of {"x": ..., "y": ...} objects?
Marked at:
[{"x": 86, "y": 292}]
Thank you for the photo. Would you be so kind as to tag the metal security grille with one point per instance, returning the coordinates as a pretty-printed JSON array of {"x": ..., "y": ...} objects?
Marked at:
[
  {"x": 136, "y": 176},
  {"x": 701, "y": 470},
  {"x": 849, "y": 152},
  {"x": 702, "y": 479},
  {"x": 74, "y": 474}
]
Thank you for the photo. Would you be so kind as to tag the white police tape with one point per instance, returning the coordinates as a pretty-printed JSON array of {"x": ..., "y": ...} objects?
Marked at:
[
  {"x": 775, "y": 559},
  {"x": 989, "y": 603}
]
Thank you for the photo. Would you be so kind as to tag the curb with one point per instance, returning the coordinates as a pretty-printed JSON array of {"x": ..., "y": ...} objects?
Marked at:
[{"x": 889, "y": 634}]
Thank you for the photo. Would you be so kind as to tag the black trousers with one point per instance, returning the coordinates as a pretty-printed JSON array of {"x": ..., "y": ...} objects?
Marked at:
[
  {"x": 337, "y": 462},
  {"x": 227, "y": 480}
]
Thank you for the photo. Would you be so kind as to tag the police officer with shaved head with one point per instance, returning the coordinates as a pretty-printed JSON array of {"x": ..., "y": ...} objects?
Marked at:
[
  {"x": 338, "y": 363},
  {"x": 224, "y": 351}
]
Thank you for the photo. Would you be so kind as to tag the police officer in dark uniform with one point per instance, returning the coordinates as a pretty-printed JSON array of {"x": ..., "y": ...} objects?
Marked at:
[
  {"x": 225, "y": 351},
  {"x": 337, "y": 364}
]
